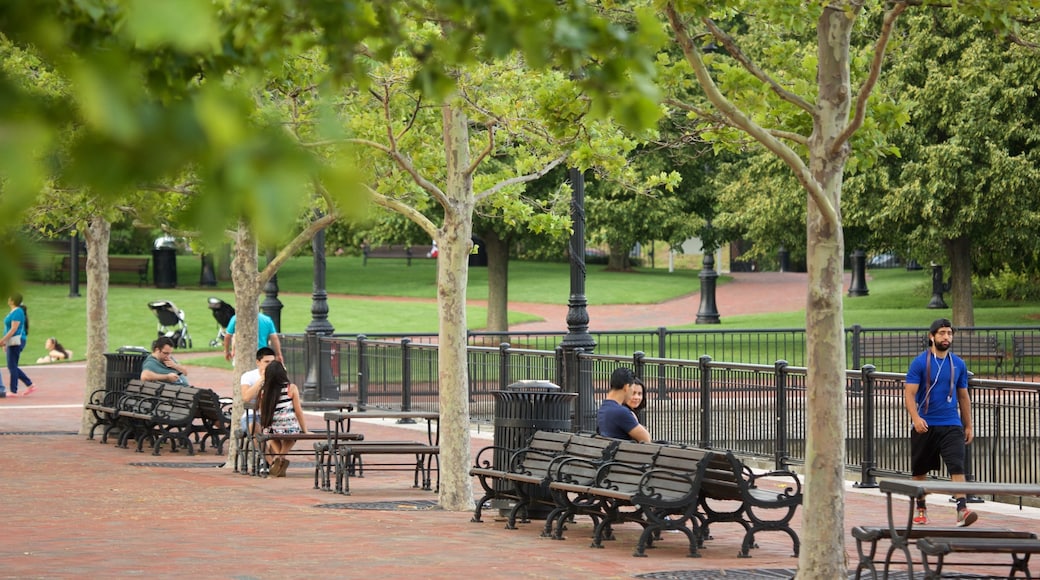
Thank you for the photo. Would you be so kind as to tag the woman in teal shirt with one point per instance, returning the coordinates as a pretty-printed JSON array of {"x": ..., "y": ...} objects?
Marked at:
[{"x": 16, "y": 331}]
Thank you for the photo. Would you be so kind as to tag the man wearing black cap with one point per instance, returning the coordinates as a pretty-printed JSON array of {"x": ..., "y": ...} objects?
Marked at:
[{"x": 936, "y": 396}]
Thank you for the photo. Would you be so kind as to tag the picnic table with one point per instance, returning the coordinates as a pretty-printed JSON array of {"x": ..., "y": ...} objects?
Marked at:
[
  {"x": 346, "y": 456},
  {"x": 1020, "y": 544}
]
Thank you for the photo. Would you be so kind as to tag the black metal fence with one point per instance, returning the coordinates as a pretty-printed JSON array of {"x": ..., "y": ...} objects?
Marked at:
[{"x": 755, "y": 408}]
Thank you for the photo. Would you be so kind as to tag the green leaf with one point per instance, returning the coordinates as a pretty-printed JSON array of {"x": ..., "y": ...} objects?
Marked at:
[{"x": 187, "y": 25}]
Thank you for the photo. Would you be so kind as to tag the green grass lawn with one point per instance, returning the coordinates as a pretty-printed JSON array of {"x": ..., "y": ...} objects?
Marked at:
[{"x": 897, "y": 299}]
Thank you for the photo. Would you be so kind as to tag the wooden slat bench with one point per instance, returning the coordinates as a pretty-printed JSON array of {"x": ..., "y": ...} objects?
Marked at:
[
  {"x": 127, "y": 264},
  {"x": 533, "y": 460},
  {"x": 423, "y": 465},
  {"x": 1020, "y": 550},
  {"x": 1022, "y": 347},
  {"x": 868, "y": 537},
  {"x": 254, "y": 463},
  {"x": 394, "y": 251},
  {"x": 966, "y": 346}
]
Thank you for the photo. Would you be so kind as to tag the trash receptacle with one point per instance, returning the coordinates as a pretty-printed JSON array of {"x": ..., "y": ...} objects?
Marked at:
[
  {"x": 164, "y": 262},
  {"x": 520, "y": 410},
  {"x": 123, "y": 366}
]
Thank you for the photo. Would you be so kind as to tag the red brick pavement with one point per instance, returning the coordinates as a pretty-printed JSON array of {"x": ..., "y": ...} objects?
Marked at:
[{"x": 72, "y": 508}]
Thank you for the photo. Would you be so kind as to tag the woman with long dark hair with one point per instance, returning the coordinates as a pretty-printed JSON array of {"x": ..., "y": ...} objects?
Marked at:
[
  {"x": 281, "y": 414},
  {"x": 16, "y": 333}
]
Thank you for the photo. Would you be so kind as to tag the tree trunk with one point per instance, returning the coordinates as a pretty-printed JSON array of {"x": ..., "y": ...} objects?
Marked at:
[
  {"x": 245, "y": 277},
  {"x": 618, "y": 260},
  {"x": 455, "y": 242},
  {"x": 823, "y": 529},
  {"x": 97, "y": 236},
  {"x": 958, "y": 252},
  {"x": 498, "y": 281}
]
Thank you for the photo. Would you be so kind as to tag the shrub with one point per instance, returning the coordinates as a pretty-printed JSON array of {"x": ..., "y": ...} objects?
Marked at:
[{"x": 1008, "y": 284}]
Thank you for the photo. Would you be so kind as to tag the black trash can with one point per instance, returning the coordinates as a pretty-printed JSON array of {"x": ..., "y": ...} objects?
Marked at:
[
  {"x": 164, "y": 263},
  {"x": 521, "y": 410},
  {"x": 123, "y": 366}
]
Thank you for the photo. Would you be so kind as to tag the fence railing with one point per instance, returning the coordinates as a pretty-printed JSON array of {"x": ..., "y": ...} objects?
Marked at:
[{"x": 755, "y": 409}]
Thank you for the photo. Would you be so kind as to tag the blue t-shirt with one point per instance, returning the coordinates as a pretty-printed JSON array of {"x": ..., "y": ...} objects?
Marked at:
[
  {"x": 19, "y": 315},
  {"x": 941, "y": 406},
  {"x": 615, "y": 420},
  {"x": 265, "y": 328}
]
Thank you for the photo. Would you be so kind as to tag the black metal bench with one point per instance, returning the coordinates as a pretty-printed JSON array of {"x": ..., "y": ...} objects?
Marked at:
[
  {"x": 105, "y": 405},
  {"x": 533, "y": 460},
  {"x": 868, "y": 538},
  {"x": 394, "y": 251},
  {"x": 127, "y": 264},
  {"x": 655, "y": 486},
  {"x": 1023, "y": 346}
]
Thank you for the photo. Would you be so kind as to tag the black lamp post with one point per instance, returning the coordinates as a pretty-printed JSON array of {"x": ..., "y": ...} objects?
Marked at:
[
  {"x": 578, "y": 338},
  {"x": 859, "y": 274},
  {"x": 271, "y": 305},
  {"x": 318, "y": 385},
  {"x": 708, "y": 312},
  {"x": 74, "y": 266},
  {"x": 938, "y": 287}
]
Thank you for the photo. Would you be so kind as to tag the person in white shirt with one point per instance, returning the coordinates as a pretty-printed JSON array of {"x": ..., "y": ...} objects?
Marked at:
[{"x": 251, "y": 381}]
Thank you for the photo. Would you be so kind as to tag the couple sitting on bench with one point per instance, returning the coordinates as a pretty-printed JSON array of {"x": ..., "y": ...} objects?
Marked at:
[{"x": 273, "y": 406}]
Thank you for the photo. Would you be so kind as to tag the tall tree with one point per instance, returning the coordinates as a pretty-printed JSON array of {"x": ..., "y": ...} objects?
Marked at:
[
  {"x": 796, "y": 97},
  {"x": 962, "y": 192}
]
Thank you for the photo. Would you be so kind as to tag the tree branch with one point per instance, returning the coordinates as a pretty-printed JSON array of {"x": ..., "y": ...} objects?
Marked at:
[
  {"x": 734, "y": 51},
  {"x": 483, "y": 154},
  {"x": 520, "y": 179},
  {"x": 404, "y": 209},
  {"x": 736, "y": 117},
  {"x": 863, "y": 95}
]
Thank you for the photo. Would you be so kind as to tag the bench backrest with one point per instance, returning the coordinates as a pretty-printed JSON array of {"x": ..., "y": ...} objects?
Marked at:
[
  {"x": 722, "y": 479},
  {"x": 886, "y": 345},
  {"x": 539, "y": 453},
  {"x": 179, "y": 403},
  {"x": 678, "y": 474},
  {"x": 626, "y": 467},
  {"x": 209, "y": 409},
  {"x": 966, "y": 345},
  {"x": 583, "y": 458},
  {"x": 1025, "y": 345}
]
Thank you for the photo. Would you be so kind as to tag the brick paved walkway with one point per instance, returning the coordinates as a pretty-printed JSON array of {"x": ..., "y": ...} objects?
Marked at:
[{"x": 72, "y": 508}]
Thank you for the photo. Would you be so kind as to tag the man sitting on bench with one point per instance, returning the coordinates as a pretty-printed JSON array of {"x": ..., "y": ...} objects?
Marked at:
[
  {"x": 161, "y": 367},
  {"x": 251, "y": 388}
]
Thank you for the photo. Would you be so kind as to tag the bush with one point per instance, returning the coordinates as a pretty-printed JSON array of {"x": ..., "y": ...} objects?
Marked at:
[{"x": 1007, "y": 284}]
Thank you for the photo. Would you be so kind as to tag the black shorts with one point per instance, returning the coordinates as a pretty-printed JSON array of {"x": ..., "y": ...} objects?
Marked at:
[{"x": 944, "y": 441}]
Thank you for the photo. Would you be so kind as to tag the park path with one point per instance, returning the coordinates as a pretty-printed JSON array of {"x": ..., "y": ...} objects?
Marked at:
[{"x": 747, "y": 293}]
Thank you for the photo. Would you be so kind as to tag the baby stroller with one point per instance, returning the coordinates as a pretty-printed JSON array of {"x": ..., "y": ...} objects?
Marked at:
[
  {"x": 222, "y": 313},
  {"x": 171, "y": 322}
]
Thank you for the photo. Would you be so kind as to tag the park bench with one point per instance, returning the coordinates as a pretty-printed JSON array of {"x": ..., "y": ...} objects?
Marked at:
[
  {"x": 349, "y": 454},
  {"x": 655, "y": 486},
  {"x": 1023, "y": 346},
  {"x": 213, "y": 423},
  {"x": 395, "y": 251},
  {"x": 966, "y": 346},
  {"x": 1020, "y": 550},
  {"x": 533, "y": 459},
  {"x": 250, "y": 460},
  {"x": 126, "y": 264},
  {"x": 104, "y": 404},
  {"x": 869, "y": 537}
]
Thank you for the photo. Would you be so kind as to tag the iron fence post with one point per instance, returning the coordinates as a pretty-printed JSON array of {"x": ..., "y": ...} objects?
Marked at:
[
  {"x": 704, "y": 364},
  {"x": 780, "y": 453},
  {"x": 362, "y": 372},
  {"x": 503, "y": 366},
  {"x": 662, "y": 352},
  {"x": 406, "y": 379},
  {"x": 869, "y": 462}
]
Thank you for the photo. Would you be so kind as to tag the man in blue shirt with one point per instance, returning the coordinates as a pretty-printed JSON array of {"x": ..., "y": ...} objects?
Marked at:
[
  {"x": 266, "y": 336},
  {"x": 936, "y": 396},
  {"x": 614, "y": 418}
]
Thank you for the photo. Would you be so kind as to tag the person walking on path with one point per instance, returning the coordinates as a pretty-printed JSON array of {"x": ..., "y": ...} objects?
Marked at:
[
  {"x": 941, "y": 415},
  {"x": 280, "y": 414},
  {"x": 266, "y": 336},
  {"x": 16, "y": 334}
]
